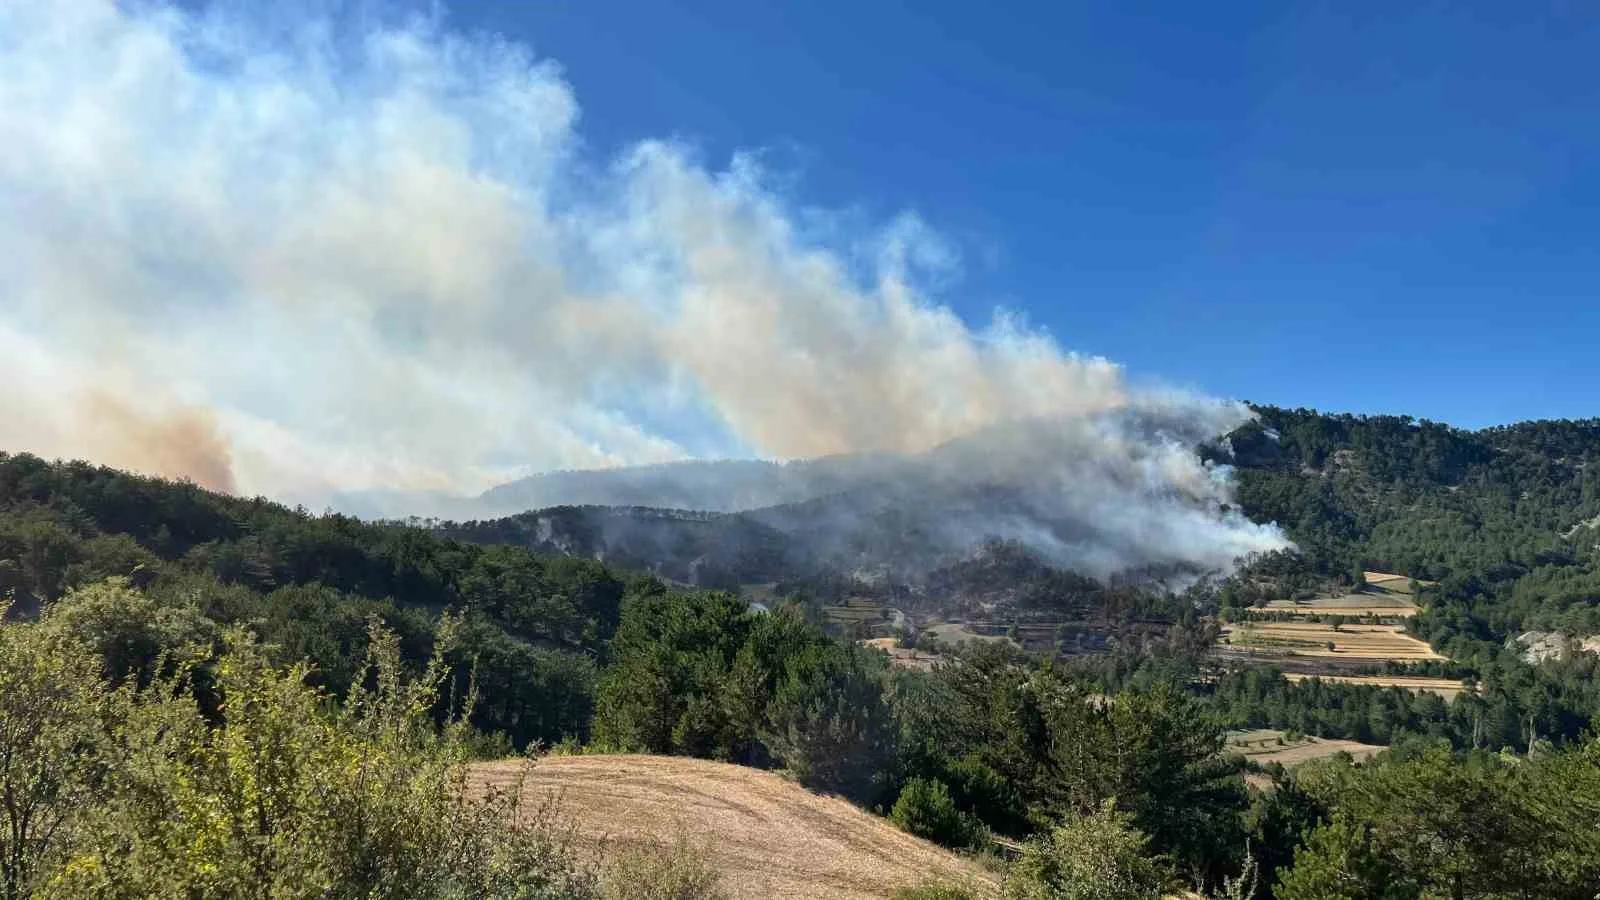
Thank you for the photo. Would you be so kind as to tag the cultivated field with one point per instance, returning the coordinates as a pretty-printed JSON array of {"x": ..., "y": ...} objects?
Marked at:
[
  {"x": 1385, "y": 596},
  {"x": 768, "y": 836},
  {"x": 1313, "y": 639},
  {"x": 863, "y": 613},
  {"x": 956, "y": 633},
  {"x": 1267, "y": 745},
  {"x": 1448, "y": 688},
  {"x": 1362, "y": 604},
  {"x": 905, "y": 657},
  {"x": 1392, "y": 583}
]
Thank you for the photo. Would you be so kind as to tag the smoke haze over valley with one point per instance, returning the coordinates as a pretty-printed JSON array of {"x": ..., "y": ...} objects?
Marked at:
[{"x": 370, "y": 262}]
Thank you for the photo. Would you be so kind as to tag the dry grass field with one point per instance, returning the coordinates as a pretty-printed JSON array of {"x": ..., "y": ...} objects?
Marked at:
[
  {"x": 1375, "y": 642},
  {"x": 768, "y": 836},
  {"x": 1448, "y": 688},
  {"x": 1391, "y": 583}
]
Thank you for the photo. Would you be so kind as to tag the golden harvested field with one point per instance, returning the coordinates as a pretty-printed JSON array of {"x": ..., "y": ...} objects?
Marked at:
[
  {"x": 768, "y": 836},
  {"x": 1399, "y": 584},
  {"x": 1448, "y": 688},
  {"x": 1375, "y": 642}
]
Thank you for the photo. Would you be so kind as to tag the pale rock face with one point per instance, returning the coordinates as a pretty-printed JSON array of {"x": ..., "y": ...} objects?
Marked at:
[{"x": 1542, "y": 646}]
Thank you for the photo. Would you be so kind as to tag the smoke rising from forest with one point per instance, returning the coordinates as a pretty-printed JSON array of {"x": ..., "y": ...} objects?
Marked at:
[{"x": 335, "y": 256}]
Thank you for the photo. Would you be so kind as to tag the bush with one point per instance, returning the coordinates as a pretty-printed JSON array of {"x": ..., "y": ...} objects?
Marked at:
[
  {"x": 926, "y": 809},
  {"x": 648, "y": 872},
  {"x": 258, "y": 786},
  {"x": 1095, "y": 857}
]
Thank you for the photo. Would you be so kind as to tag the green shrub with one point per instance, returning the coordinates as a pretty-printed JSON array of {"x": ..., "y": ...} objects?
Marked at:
[{"x": 926, "y": 809}]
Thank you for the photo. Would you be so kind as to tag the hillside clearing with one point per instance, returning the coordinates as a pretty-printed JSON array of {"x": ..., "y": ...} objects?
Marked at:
[
  {"x": 957, "y": 633},
  {"x": 768, "y": 836},
  {"x": 1268, "y": 745}
]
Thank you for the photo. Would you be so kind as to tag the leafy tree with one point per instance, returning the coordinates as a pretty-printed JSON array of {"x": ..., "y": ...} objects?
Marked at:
[
  {"x": 662, "y": 693},
  {"x": 129, "y": 630},
  {"x": 56, "y": 711},
  {"x": 828, "y": 723},
  {"x": 1339, "y": 862}
]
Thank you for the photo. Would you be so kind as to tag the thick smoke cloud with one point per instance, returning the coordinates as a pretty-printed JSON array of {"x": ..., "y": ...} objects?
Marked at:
[{"x": 340, "y": 257}]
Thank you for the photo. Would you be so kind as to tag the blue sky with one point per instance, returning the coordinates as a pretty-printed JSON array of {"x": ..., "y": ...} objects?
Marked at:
[
  {"x": 331, "y": 245},
  {"x": 1353, "y": 206}
]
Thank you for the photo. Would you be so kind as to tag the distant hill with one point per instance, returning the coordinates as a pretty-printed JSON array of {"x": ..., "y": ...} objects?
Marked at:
[
  {"x": 1109, "y": 498},
  {"x": 719, "y": 485},
  {"x": 729, "y": 485},
  {"x": 1502, "y": 518}
]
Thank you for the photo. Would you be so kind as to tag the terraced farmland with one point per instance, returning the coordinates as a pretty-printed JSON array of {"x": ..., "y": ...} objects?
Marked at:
[
  {"x": 859, "y": 614},
  {"x": 1362, "y": 604},
  {"x": 1319, "y": 640}
]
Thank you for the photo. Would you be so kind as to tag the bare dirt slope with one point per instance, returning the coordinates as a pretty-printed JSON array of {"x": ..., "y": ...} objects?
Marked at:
[{"x": 768, "y": 836}]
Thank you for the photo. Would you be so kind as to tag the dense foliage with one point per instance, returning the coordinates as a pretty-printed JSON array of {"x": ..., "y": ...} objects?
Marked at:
[
  {"x": 1506, "y": 520},
  {"x": 158, "y": 703},
  {"x": 224, "y": 775},
  {"x": 534, "y": 629}
]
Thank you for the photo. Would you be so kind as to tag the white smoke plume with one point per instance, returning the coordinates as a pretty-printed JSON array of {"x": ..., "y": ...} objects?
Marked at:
[{"x": 338, "y": 257}]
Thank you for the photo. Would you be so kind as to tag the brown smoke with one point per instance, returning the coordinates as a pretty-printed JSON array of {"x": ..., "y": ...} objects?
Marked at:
[{"x": 178, "y": 442}]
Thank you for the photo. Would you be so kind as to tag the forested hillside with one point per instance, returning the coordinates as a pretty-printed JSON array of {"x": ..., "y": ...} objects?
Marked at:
[
  {"x": 534, "y": 632},
  {"x": 1505, "y": 518},
  {"x": 1116, "y": 756}
]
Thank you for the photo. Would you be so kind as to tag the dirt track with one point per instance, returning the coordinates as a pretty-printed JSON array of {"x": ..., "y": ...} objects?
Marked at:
[{"x": 768, "y": 836}]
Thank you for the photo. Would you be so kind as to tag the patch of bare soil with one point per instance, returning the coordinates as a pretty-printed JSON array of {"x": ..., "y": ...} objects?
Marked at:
[{"x": 767, "y": 835}]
